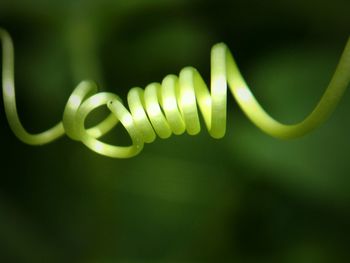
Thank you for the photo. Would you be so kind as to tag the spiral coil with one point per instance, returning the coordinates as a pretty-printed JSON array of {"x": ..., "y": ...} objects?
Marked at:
[{"x": 167, "y": 107}]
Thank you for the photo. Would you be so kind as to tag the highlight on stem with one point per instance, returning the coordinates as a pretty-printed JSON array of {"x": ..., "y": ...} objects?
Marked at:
[{"x": 171, "y": 106}]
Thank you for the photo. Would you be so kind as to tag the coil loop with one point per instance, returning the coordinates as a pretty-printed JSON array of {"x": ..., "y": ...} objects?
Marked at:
[{"x": 167, "y": 107}]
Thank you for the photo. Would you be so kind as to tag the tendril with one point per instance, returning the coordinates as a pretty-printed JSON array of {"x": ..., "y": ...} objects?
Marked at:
[{"x": 171, "y": 106}]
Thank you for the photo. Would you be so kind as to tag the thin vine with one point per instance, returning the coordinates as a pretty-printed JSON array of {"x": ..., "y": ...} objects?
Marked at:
[{"x": 167, "y": 108}]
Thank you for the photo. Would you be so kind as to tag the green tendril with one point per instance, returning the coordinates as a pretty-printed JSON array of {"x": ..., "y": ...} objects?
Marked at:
[{"x": 167, "y": 107}]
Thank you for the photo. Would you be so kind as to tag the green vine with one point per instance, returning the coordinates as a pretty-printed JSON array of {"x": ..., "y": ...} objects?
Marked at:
[{"x": 167, "y": 107}]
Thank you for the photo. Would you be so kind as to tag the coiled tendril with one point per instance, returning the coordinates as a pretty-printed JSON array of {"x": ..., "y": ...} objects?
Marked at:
[{"x": 167, "y": 107}]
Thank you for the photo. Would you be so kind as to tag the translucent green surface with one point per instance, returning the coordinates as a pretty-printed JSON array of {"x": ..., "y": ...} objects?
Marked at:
[{"x": 168, "y": 107}]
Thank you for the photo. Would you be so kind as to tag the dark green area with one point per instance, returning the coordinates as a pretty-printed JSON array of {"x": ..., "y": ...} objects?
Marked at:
[{"x": 245, "y": 198}]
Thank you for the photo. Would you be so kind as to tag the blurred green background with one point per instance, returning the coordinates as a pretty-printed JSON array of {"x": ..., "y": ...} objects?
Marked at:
[{"x": 245, "y": 198}]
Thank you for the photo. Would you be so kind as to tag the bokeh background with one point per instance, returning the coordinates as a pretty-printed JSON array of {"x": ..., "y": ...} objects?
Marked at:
[{"x": 245, "y": 198}]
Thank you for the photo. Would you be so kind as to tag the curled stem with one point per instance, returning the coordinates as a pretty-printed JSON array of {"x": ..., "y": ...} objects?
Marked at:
[{"x": 168, "y": 107}]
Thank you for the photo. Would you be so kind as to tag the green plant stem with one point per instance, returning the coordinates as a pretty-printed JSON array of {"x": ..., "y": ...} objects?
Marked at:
[{"x": 168, "y": 107}]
